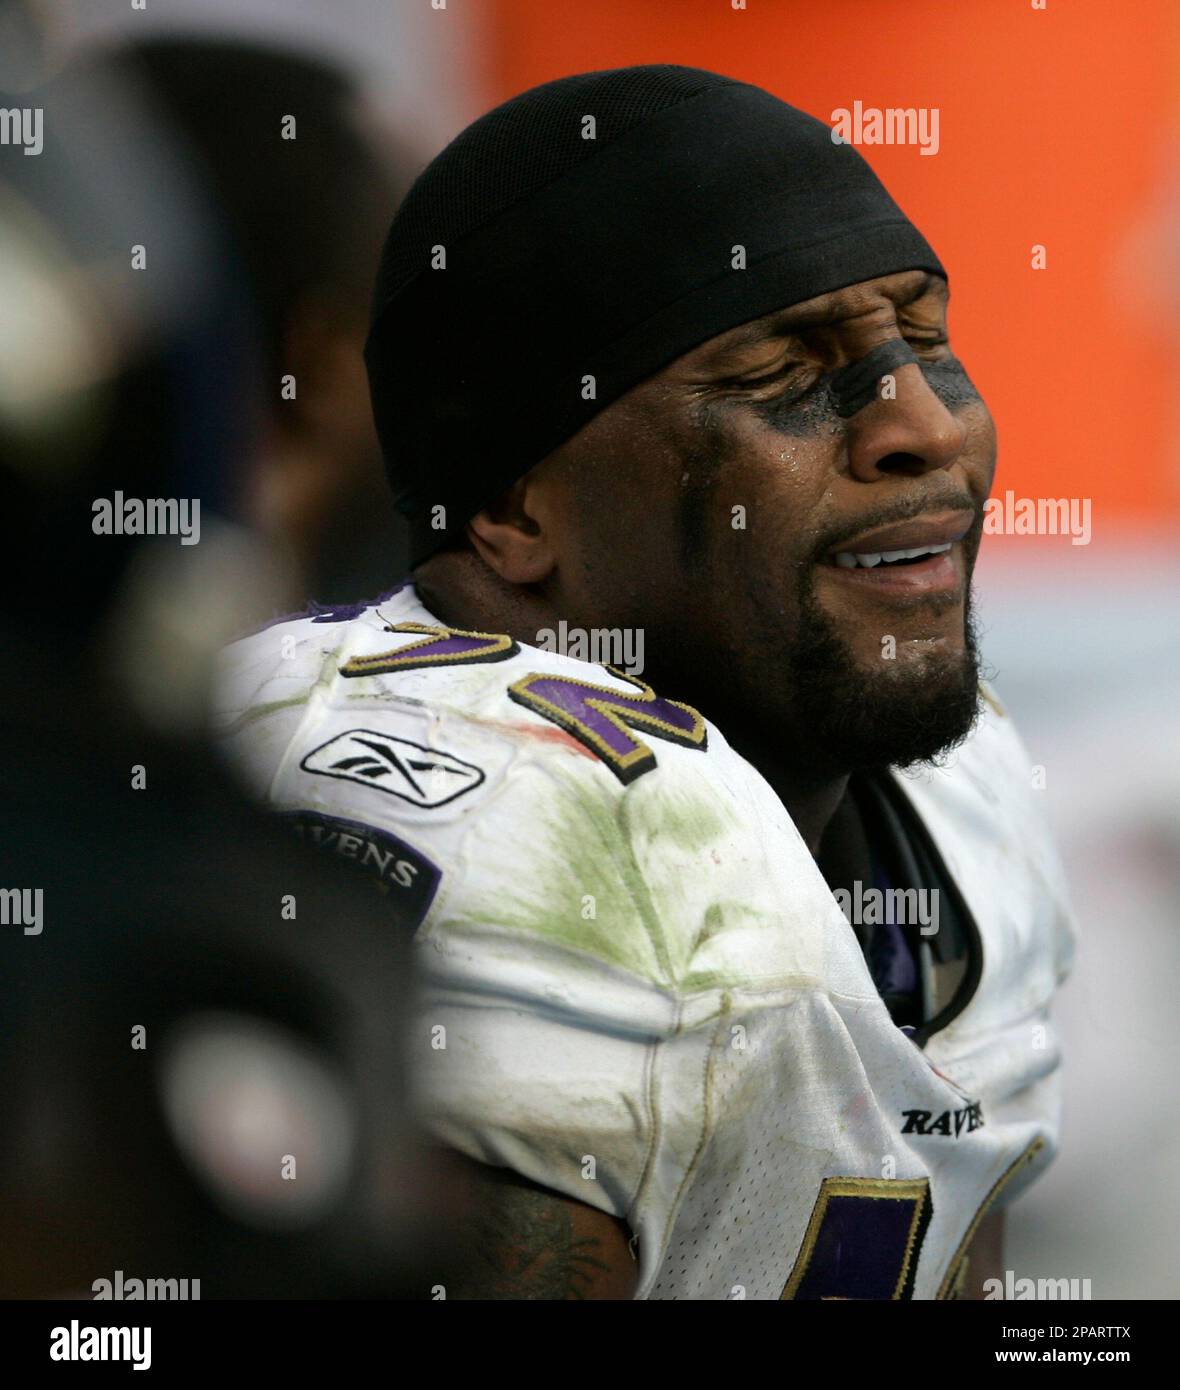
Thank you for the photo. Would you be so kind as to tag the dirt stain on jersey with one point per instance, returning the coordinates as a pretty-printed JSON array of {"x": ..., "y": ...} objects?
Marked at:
[{"x": 610, "y": 869}]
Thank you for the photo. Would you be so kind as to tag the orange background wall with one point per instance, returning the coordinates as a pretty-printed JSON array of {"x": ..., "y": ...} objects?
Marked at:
[{"x": 1057, "y": 127}]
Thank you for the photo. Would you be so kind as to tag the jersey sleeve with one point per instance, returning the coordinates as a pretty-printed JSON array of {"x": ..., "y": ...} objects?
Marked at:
[
  {"x": 543, "y": 1008},
  {"x": 993, "y": 829}
]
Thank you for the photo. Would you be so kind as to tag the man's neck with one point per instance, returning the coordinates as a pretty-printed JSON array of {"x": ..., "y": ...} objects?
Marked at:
[
  {"x": 462, "y": 591},
  {"x": 811, "y": 801}
]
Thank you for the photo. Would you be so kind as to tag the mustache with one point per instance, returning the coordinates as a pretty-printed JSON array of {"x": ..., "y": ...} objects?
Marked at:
[{"x": 904, "y": 509}]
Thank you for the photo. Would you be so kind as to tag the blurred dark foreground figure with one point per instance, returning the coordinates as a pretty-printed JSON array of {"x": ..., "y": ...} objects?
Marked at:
[
  {"x": 200, "y": 1022},
  {"x": 298, "y": 182},
  {"x": 197, "y": 1085}
]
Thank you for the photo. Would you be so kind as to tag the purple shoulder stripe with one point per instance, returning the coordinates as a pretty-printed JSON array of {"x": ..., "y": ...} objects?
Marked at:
[{"x": 325, "y": 612}]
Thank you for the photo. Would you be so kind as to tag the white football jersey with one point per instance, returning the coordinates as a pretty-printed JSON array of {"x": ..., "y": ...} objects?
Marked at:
[{"x": 636, "y": 987}]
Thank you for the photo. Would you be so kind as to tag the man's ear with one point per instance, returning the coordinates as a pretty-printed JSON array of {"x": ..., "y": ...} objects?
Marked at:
[{"x": 510, "y": 539}]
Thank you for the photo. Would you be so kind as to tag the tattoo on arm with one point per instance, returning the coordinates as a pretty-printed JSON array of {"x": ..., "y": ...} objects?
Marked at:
[{"x": 521, "y": 1241}]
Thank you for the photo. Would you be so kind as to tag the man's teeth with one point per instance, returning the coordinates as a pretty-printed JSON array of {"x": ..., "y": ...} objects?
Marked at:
[{"x": 850, "y": 561}]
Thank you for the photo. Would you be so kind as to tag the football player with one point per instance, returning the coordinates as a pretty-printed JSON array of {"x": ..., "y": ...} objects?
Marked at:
[{"x": 737, "y": 949}]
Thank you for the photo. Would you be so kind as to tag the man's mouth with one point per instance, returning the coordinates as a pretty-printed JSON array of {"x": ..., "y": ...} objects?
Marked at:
[
  {"x": 850, "y": 560},
  {"x": 919, "y": 557}
]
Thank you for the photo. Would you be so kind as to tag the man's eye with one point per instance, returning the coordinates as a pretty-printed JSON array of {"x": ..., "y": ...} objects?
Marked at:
[
  {"x": 781, "y": 374},
  {"x": 920, "y": 344}
]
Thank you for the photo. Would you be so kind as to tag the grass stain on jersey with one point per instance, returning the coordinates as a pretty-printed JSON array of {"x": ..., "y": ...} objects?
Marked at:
[{"x": 630, "y": 853}]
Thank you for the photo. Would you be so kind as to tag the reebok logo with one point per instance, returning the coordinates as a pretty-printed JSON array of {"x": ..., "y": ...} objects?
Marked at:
[{"x": 422, "y": 776}]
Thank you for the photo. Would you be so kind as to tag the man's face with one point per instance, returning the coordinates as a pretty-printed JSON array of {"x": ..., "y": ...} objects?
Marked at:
[{"x": 727, "y": 509}]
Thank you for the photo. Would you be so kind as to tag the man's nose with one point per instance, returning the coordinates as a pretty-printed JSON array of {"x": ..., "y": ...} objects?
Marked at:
[{"x": 907, "y": 430}]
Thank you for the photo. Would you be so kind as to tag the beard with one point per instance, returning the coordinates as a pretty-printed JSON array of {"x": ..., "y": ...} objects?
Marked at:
[{"x": 852, "y": 719}]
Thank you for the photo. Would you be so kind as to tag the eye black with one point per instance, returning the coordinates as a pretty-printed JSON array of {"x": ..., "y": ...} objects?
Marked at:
[{"x": 914, "y": 341}]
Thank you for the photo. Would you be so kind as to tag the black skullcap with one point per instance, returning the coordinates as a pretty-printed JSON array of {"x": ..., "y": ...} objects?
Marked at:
[{"x": 610, "y": 257}]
